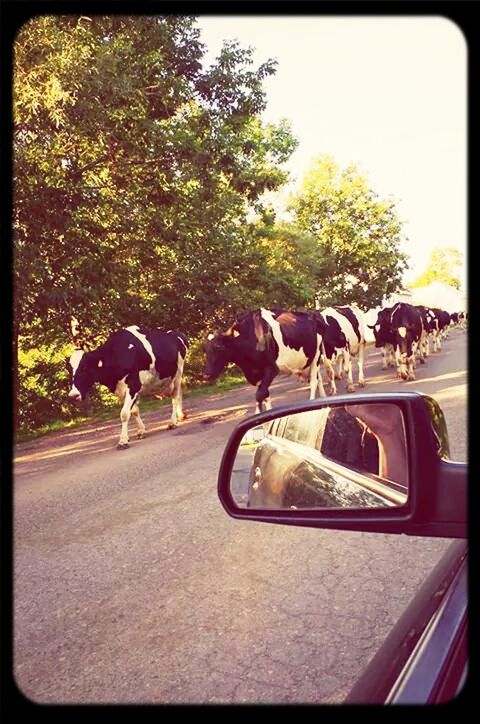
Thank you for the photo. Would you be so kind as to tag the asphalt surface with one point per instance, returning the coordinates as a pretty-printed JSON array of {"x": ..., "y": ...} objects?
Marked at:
[{"x": 132, "y": 585}]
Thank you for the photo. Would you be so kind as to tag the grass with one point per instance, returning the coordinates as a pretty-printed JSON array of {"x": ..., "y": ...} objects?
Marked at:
[{"x": 230, "y": 380}]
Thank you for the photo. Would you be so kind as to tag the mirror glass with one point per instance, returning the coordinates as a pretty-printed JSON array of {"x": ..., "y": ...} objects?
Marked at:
[{"x": 338, "y": 456}]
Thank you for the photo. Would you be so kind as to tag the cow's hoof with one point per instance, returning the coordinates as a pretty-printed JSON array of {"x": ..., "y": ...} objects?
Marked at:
[
  {"x": 422, "y": 361},
  {"x": 171, "y": 426},
  {"x": 410, "y": 378},
  {"x": 122, "y": 446},
  {"x": 350, "y": 388},
  {"x": 140, "y": 435},
  {"x": 361, "y": 384}
]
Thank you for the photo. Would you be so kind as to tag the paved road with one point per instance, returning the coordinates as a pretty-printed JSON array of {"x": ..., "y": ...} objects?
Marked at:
[{"x": 131, "y": 584}]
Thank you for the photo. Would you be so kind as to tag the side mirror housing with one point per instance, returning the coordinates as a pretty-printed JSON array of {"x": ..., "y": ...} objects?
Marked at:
[{"x": 372, "y": 462}]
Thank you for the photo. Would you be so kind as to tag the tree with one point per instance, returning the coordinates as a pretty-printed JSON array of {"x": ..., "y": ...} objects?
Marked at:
[
  {"x": 357, "y": 235},
  {"x": 134, "y": 171},
  {"x": 442, "y": 267}
]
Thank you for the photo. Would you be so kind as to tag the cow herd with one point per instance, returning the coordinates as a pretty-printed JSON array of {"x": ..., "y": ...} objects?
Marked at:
[{"x": 262, "y": 343}]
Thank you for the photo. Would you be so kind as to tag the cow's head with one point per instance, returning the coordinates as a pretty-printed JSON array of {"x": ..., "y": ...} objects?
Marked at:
[
  {"x": 333, "y": 337},
  {"x": 82, "y": 367},
  {"x": 217, "y": 349},
  {"x": 382, "y": 329},
  {"x": 382, "y": 332}
]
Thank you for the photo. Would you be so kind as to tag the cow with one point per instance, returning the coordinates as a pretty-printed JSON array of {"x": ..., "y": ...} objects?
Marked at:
[
  {"x": 443, "y": 323},
  {"x": 402, "y": 327},
  {"x": 343, "y": 338},
  {"x": 383, "y": 336},
  {"x": 265, "y": 343},
  {"x": 430, "y": 329},
  {"x": 131, "y": 359},
  {"x": 459, "y": 319}
]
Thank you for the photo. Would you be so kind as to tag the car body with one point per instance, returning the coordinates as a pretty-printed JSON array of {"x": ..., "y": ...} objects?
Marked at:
[{"x": 424, "y": 659}]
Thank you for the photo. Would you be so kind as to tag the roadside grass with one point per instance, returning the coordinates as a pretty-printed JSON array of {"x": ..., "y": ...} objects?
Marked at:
[{"x": 230, "y": 380}]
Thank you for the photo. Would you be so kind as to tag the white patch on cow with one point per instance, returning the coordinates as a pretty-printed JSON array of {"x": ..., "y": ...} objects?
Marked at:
[
  {"x": 210, "y": 337},
  {"x": 347, "y": 328},
  {"x": 181, "y": 340},
  {"x": 290, "y": 360},
  {"x": 402, "y": 331},
  {"x": 100, "y": 363},
  {"x": 141, "y": 337},
  {"x": 130, "y": 346},
  {"x": 236, "y": 333},
  {"x": 75, "y": 359}
]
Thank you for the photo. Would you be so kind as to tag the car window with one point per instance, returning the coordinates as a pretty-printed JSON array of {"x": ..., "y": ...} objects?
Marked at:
[{"x": 299, "y": 428}]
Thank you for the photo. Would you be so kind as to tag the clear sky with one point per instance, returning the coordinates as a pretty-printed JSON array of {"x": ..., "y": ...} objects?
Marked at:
[{"x": 386, "y": 93}]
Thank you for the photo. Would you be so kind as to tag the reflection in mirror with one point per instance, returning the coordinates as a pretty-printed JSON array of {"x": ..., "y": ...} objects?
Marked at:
[{"x": 342, "y": 456}]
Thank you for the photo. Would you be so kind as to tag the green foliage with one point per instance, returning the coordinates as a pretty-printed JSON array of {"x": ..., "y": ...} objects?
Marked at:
[
  {"x": 134, "y": 170},
  {"x": 441, "y": 268},
  {"x": 357, "y": 235}
]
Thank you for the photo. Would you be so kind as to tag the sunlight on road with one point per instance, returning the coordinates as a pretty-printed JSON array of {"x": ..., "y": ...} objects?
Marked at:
[
  {"x": 447, "y": 376},
  {"x": 451, "y": 393}
]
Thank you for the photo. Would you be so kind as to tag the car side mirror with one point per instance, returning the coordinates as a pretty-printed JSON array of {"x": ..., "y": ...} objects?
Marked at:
[{"x": 375, "y": 462}]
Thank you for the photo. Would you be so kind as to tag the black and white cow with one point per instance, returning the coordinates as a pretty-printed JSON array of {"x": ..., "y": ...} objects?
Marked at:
[
  {"x": 344, "y": 338},
  {"x": 130, "y": 359},
  {"x": 383, "y": 334},
  {"x": 443, "y": 322},
  {"x": 266, "y": 342},
  {"x": 430, "y": 331},
  {"x": 459, "y": 319},
  {"x": 402, "y": 327}
]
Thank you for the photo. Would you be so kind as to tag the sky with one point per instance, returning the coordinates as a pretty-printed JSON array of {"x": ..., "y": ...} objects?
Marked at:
[{"x": 388, "y": 94}]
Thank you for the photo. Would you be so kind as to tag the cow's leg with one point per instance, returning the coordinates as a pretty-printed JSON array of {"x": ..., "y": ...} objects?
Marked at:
[
  {"x": 411, "y": 367},
  {"x": 262, "y": 395},
  {"x": 415, "y": 353},
  {"x": 177, "y": 398},
  {"x": 360, "y": 361},
  {"x": 129, "y": 390},
  {"x": 339, "y": 365},
  {"x": 139, "y": 421},
  {"x": 316, "y": 377},
  {"x": 406, "y": 365},
  {"x": 426, "y": 345},
  {"x": 392, "y": 357},
  {"x": 330, "y": 369},
  {"x": 421, "y": 348},
  {"x": 349, "y": 370},
  {"x": 385, "y": 357}
]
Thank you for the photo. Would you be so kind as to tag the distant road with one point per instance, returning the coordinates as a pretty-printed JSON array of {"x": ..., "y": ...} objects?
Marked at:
[{"x": 132, "y": 585}]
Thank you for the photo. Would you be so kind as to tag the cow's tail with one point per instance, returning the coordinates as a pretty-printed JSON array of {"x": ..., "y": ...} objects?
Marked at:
[
  {"x": 320, "y": 326},
  {"x": 182, "y": 343},
  {"x": 263, "y": 333}
]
